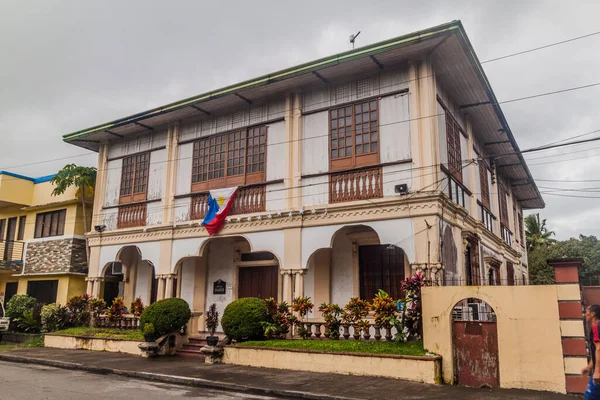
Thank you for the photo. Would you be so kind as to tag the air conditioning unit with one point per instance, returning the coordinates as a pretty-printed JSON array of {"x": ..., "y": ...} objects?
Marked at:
[
  {"x": 462, "y": 314},
  {"x": 117, "y": 268}
]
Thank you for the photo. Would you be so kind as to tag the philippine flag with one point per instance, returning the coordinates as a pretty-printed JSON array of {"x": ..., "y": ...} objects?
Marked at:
[{"x": 219, "y": 204}]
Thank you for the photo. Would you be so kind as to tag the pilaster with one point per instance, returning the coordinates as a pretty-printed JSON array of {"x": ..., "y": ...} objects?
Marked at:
[{"x": 100, "y": 188}]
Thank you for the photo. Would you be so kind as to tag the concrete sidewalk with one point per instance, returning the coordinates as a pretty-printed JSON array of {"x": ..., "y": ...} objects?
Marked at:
[{"x": 285, "y": 384}]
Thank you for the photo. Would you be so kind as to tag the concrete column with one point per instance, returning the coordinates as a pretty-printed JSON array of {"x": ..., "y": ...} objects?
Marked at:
[
  {"x": 161, "y": 288},
  {"x": 90, "y": 286},
  {"x": 299, "y": 283},
  {"x": 287, "y": 286},
  {"x": 96, "y": 287},
  {"x": 171, "y": 176},
  {"x": 570, "y": 312},
  {"x": 100, "y": 189},
  {"x": 169, "y": 287}
]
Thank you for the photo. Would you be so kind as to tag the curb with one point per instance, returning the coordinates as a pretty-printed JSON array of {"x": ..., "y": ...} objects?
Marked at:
[{"x": 176, "y": 380}]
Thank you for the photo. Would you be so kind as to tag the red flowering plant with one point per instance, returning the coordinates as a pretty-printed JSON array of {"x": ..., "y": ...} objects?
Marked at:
[
  {"x": 385, "y": 310},
  {"x": 302, "y": 305},
  {"x": 354, "y": 313},
  {"x": 279, "y": 318},
  {"x": 137, "y": 307},
  {"x": 413, "y": 316}
]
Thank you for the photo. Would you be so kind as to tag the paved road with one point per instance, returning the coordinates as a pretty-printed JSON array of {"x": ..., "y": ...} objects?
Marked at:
[{"x": 34, "y": 382}]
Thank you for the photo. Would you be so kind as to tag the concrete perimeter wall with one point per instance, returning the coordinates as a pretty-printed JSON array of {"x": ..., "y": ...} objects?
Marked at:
[
  {"x": 418, "y": 369},
  {"x": 530, "y": 331},
  {"x": 76, "y": 342}
]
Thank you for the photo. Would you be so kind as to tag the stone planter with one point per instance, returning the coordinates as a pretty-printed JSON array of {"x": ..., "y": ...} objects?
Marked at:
[{"x": 212, "y": 341}]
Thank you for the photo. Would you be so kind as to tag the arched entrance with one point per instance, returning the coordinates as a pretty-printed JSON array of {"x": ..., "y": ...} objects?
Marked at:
[
  {"x": 129, "y": 276},
  {"x": 475, "y": 343}
]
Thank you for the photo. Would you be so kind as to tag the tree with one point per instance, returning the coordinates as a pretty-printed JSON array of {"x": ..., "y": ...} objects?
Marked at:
[
  {"x": 536, "y": 233},
  {"x": 84, "y": 178}
]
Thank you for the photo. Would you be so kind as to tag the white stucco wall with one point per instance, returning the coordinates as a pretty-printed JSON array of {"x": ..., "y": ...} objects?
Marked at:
[
  {"x": 113, "y": 182},
  {"x": 276, "y": 197},
  {"x": 394, "y": 128},
  {"x": 149, "y": 250},
  {"x": 315, "y": 146},
  {"x": 138, "y": 143},
  {"x": 185, "y": 248},
  {"x": 143, "y": 281},
  {"x": 275, "y": 152},
  {"x": 188, "y": 276},
  {"x": 220, "y": 266},
  {"x": 182, "y": 209},
  {"x": 184, "y": 168},
  {"x": 395, "y": 175},
  {"x": 315, "y": 191},
  {"x": 341, "y": 270}
]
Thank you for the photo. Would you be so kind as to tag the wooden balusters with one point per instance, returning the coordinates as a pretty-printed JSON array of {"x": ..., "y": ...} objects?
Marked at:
[
  {"x": 355, "y": 185},
  {"x": 132, "y": 215}
]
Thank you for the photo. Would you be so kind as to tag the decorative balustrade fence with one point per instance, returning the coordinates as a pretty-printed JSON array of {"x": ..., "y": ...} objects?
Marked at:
[
  {"x": 355, "y": 185},
  {"x": 247, "y": 200},
  {"x": 318, "y": 330},
  {"x": 132, "y": 215},
  {"x": 128, "y": 321}
]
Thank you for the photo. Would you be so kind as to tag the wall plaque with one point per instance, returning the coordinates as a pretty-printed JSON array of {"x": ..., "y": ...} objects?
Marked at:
[{"x": 219, "y": 287}]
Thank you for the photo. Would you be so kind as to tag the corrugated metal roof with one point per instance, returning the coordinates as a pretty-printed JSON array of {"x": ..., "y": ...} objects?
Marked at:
[{"x": 457, "y": 69}]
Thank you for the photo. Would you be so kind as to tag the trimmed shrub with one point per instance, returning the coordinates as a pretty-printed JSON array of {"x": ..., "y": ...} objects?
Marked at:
[
  {"x": 19, "y": 304},
  {"x": 54, "y": 317},
  {"x": 78, "y": 310},
  {"x": 166, "y": 315},
  {"x": 243, "y": 319}
]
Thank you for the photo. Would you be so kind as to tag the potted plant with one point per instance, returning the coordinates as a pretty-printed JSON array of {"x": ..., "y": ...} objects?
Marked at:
[
  {"x": 212, "y": 322},
  {"x": 148, "y": 332}
]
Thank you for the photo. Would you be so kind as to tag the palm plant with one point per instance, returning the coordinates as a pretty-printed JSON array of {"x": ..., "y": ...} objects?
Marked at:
[
  {"x": 84, "y": 178},
  {"x": 536, "y": 233}
]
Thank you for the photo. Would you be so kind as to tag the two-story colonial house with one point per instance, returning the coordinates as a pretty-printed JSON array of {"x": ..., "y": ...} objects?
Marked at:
[
  {"x": 42, "y": 242},
  {"x": 354, "y": 171}
]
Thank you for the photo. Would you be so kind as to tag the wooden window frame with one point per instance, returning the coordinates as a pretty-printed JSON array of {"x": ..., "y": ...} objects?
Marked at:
[
  {"x": 510, "y": 273},
  {"x": 520, "y": 220},
  {"x": 231, "y": 151},
  {"x": 2, "y": 229},
  {"x": 354, "y": 160},
  {"x": 21, "y": 229},
  {"x": 50, "y": 224},
  {"x": 134, "y": 186},
  {"x": 484, "y": 184},
  {"x": 453, "y": 145},
  {"x": 503, "y": 206}
]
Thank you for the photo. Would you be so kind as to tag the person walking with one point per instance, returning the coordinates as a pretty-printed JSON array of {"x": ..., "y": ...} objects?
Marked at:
[{"x": 592, "y": 319}]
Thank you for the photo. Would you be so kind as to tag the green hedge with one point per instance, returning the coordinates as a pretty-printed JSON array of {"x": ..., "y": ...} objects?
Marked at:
[
  {"x": 166, "y": 315},
  {"x": 242, "y": 319}
]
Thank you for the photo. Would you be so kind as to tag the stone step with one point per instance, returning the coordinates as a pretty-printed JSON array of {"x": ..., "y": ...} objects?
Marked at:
[
  {"x": 190, "y": 354},
  {"x": 192, "y": 347}
]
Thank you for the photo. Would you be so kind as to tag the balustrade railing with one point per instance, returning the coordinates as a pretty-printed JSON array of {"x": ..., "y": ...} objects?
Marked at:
[
  {"x": 247, "y": 200},
  {"x": 128, "y": 321},
  {"x": 355, "y": 185},
  {"x": 132, "y": 215},
  {"x": 317, "y": 330},
  {"x": 11, "y": 250}
]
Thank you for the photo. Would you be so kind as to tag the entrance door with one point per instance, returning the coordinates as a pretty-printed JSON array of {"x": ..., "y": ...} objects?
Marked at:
[
  {"x": 258, "y": 282},
  {"x": 11, "y": 231},
  {"x": 10, "y": 291},
  {"x": 476, "y": 353}
]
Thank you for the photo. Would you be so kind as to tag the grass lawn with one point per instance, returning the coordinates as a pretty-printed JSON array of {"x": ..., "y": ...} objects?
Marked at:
[
  {"x": 102, "y": 333},
  {"x": 350, "y": 346},
  {"x": 37, "y": 342}
]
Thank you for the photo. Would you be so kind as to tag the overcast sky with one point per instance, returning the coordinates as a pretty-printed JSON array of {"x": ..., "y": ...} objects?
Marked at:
[{"x": 69, "y": 65}]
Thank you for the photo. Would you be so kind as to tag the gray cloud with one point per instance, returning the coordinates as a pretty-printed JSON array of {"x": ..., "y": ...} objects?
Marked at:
[{"x": 68, "y": 65}]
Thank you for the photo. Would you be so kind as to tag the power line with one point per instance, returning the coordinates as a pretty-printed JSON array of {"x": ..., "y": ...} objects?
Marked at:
[
  {"x": 540, "y": 48},
  {"x": 395, "y": 84}
]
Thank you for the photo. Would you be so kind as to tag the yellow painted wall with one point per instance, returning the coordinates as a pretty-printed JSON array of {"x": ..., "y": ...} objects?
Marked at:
[
  {"x": 16, "y": 190},
  {"x": 42, "y": 194},
  {"x": 529, "y": 334},
  {"x": 5, "y": 276},
  {"x": 68, "y": 285}
]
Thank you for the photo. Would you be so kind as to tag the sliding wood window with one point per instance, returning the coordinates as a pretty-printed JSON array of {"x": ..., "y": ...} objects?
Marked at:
[
  {"x": 354, "y": 135},
  {"x": 134, "y": 178},
  {"x": 504, "y": 219},
  {"x": 21, "y": 231},
  {"x": 230, "y": 159},
  {"x": 453, "y": 132},
  {"x": 50, "y": 224},
  {"x": 484, "y": 184}
]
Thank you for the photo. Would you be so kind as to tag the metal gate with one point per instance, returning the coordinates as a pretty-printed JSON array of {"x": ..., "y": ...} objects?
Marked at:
[{"x": 476, "y": 353}]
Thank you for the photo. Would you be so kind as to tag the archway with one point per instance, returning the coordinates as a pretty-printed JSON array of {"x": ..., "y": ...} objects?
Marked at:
[
  {"x": 356, "y": 264},
  {"x": 225, "y": 269},
  {"x": 475, "y": 343},
  {"x": 129, "y": 276}
]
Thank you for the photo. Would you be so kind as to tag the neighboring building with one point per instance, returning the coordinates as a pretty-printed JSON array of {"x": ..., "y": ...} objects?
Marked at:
[
  {"x": 320, "y": 152},
  {"x": 42, "y": 242}
]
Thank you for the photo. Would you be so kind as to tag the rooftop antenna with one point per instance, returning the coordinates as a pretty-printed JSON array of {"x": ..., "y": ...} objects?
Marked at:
[{"x": 353, "y": 38}]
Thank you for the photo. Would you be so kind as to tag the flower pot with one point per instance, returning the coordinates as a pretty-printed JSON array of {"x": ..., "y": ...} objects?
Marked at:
[
  {"x": 149, "y": 338},
  {"x": 212, "y": 340}
]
